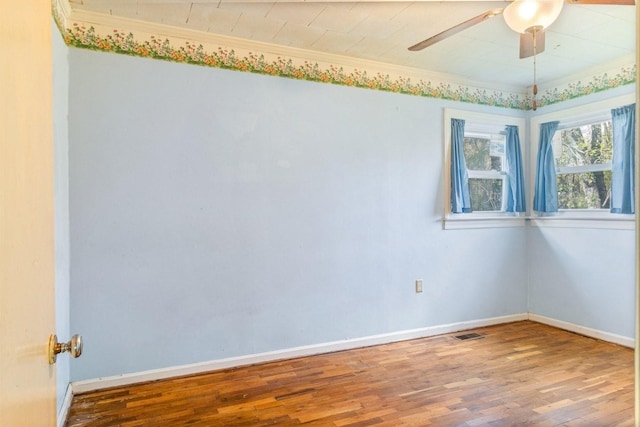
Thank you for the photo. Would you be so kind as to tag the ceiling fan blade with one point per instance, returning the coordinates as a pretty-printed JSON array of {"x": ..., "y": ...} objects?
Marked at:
[
  {"x": 604, "y": 2},
  {"x": 456, "y": 29},
  {"x": 526, "y": 44}
]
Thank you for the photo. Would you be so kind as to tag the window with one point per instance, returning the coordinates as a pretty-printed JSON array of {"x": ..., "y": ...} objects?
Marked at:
[
  {"x": 484, "y": 155},
  {"x": 494, "y": 198},
  {"x": 583, "y": 165}
]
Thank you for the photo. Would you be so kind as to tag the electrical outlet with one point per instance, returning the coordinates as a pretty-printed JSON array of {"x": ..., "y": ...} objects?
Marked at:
[{"x": 418, "y": 285}]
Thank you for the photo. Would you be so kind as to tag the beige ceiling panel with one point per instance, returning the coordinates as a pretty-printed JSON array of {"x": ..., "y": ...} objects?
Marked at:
[
  {"x": 253, "y": 8},
  {"x": 494, "y": 30},
  {"x": 603, "y": 53},
  {"x": 127, "y": 10},
  {"x": 570, "y": 47},
  {"x": 175, "y": 13},
  {"x": 213, "y": 19},
  {"x": 339, "y": 19},
  {"x": 445, "y": 52},
  {"x": 95, "y": 6},
  {"x": 161, "y": 2},
  {"x": 297, "y": 13},
  {"x": 481, "y": 50},
  {"x": 438, "y": 16},
  {"x": 202, "y": 16},
  {"x": 370, "y": 47},
  {"x": 624, "y": 13},
  {"x": 418, "y": 15},
  {"x": 257, "y": 28},
  {"x": 468, "y": 70},
  {"x": 577, "y": 17},
  {"x": 386, "y": 10},
  {"x": 616, "y": 36},
  {"x": 379, "y": 28},
  {"x": 335, "y": 42},
  {"x": 452, "y": 67},
  {"x": 408, "y": 36},
  {"x": 546, "y": 66},
  {"x": 296, "y": 35},
  {"x": 490, "y": 55},
  {"x": 606, "y": 29}
]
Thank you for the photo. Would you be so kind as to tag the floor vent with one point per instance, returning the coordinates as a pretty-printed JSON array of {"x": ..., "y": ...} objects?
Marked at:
[{"x": 469, "y": 336}]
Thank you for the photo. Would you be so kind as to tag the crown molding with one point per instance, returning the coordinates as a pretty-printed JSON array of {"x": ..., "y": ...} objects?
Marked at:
[{"x": 104, "y": 32}]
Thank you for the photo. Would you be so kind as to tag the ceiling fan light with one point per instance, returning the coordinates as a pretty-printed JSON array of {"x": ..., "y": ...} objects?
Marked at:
[{"x": 521, "y": 15}]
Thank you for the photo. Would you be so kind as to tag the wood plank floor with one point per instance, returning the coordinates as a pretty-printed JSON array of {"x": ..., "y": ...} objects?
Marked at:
[{"x": 521, "y": 373}]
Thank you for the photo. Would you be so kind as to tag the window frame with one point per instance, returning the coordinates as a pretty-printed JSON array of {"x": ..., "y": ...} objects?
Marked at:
[
  {"x": 490, "y": 174},
  {"x": 481, "y": 123},
  {"x": 568, "y": 118}
]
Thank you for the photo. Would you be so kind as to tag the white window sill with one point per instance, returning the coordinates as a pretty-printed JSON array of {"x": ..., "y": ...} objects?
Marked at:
[
  {"x": 482, "y": 220},
  {"x": 563, "y": 219},
  {"x": 585, "y": 219}
]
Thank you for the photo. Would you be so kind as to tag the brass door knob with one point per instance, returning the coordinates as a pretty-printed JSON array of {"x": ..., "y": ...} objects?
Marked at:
[{"x": 74, "y": 347}]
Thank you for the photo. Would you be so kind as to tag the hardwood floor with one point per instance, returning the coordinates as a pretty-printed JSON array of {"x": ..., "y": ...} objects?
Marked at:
[{"x": 522, "y": 373}]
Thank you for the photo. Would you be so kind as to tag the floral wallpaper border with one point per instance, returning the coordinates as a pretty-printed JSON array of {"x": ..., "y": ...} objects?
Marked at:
[
  {"x": 624, "y": 76},
  {"x": 184, "y": 51}
]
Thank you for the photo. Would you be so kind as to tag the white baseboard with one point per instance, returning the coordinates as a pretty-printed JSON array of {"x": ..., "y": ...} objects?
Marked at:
[
  {"x": 66, "y": 405},
  {"x": 582, "y": 330},
  {"x": 231, "y": 362}
]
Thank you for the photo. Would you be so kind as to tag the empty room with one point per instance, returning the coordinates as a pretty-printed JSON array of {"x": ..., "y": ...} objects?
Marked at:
[{"x": 328, "y": 213}]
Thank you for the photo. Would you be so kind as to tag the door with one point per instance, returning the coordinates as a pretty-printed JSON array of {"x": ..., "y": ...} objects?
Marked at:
[{"x": 27, "y": 381}]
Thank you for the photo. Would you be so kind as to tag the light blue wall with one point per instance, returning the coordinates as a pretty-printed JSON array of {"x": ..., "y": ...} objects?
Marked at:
[
  {"x": 61, "y": 200},
  {"x": 584, "y": 276},
  {"x": 217, "y": 213}
]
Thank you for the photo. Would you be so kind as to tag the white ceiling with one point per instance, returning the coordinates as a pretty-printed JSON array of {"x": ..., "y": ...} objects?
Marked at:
[{"x": 583, "y": 38}]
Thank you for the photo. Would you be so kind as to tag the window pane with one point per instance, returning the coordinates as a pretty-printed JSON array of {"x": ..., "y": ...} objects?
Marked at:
[
  {"x": 584, "y": 145},
  {"x": 589, "y": 190},
  {"x": 486, "y": 194},
  {"x": 481, "y": 155}
]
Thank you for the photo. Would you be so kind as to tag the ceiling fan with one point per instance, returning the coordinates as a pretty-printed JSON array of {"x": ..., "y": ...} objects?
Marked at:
[
  {"x": 529, "y": 18},
  {"x": 522, "y": 16}
]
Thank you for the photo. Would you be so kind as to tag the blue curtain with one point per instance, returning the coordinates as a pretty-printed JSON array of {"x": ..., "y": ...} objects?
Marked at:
[
  {"x": 515, "y": 190},
  {"x": 460, "y": 197},
  {"x": 545, "y": 198},
  {"x": 622, "y": 170}
]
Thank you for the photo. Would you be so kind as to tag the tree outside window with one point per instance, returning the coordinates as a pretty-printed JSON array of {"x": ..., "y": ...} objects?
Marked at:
[
  {"x": 485, "y": 159},
  {"x": 583, "y": 162}
]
